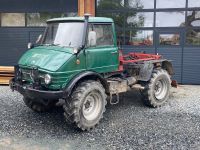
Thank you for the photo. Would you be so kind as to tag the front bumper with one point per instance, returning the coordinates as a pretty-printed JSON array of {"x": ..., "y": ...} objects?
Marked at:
[{"x": 36, "y": 93}]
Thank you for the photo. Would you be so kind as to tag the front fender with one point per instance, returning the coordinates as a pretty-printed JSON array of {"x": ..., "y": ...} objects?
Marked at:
[{"x": 86, "y": 75}]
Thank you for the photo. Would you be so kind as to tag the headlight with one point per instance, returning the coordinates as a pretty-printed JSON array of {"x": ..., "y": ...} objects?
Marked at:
[{"x": 47, "y": 79}]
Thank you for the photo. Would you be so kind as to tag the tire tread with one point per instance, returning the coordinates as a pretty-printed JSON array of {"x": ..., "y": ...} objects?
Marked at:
[
  {"x": 72, "y": 105},
  {"x": 146, "y": 93}
]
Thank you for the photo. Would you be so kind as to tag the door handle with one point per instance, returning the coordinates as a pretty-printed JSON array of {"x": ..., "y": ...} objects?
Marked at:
[{"x": 115, "y": 52}]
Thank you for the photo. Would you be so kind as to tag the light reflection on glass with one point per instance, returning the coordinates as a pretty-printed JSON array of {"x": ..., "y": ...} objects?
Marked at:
[
  {"x": 170, "y": 3},
  {"x": 170, "y": 19},
  {"x": 139, "y": 38},
  {"x": 169, "y": 39}
]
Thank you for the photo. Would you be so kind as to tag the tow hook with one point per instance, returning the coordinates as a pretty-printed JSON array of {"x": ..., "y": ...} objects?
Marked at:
[{"x": 114, "y": 101}]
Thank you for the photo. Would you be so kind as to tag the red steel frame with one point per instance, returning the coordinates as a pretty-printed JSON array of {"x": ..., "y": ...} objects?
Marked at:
[
  {"x": 139, "y": 57},
  {"x": 135, "y": 57}
]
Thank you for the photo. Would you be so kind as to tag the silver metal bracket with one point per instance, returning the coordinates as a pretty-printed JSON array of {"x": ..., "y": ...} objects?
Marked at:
[{"x": 111, "y": 98}]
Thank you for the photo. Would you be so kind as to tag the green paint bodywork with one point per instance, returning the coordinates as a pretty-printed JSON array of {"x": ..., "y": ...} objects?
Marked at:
[
  {"x": 49, "y": 58},
  {"x": 61, "y": 62}
]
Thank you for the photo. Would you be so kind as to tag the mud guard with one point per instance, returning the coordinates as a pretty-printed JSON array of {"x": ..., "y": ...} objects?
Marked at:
[
  {"x": 167, "y": 65},
  {"x": 146, "y": 68},
  {"x": 83, "y": 76}
]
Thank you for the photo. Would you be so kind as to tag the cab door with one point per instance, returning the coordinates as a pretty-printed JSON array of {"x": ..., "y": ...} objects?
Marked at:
[{"x": 103, "y": 57}]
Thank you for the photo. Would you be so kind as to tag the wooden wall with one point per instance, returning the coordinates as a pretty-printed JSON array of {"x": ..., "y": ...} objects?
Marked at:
[
  {"x": 6, "y": 73},
  {"x": 86, "y": 6}
]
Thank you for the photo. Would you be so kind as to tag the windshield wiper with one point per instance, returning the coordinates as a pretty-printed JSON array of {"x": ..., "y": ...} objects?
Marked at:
[{"x": 70, "y": 44}]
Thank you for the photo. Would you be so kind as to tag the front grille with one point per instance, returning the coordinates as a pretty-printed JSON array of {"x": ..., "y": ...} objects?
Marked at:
[
  {"x": 26, "y": 75},
  {"x": 31, "y": 75}
]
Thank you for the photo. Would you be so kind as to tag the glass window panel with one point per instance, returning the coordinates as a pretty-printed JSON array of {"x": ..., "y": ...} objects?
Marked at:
[
  {"x": 58, "y": 34},
  {"x": 39, "y": 19},
  {"x": 170, "y": 3},
  {"x": 170, "y": 19},
  {"x": 70, "y": 14},
  {"x": 120, "y": 37},
  {"x": 169, "y": 39},
  {"x": 117, "y": 17},
  {"x": 193, "y": 3},
  {"x": 104, "y": 34},
  {"x": 193, "y": 18},
  {"x": 12, "y": 19},
  {"x": 140, "y": 19},
  {"x": 193, "y": 37},
  {"x": 139, "y": 4},
  {"x": 139, "y": 38},
  {"x": 117, "y": 4},
  {"x": 108, "y": 4}
]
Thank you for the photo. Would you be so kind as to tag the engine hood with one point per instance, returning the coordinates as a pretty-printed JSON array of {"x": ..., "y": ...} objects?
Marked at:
[{"x": 46, "y": 57}]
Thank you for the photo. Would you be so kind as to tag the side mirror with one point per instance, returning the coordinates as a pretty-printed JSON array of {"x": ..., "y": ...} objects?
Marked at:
[
  {"x": 92, "y": 38},
  {"x": 39, "y": 39},
  {"x": 30, "y": 45}
]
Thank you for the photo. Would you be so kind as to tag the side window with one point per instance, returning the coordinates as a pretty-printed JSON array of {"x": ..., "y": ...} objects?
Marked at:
[{"x": 104, "y": 34}]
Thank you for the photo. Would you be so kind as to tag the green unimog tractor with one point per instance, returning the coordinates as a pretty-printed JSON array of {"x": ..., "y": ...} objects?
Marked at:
[{"x": 78, "y": 61}]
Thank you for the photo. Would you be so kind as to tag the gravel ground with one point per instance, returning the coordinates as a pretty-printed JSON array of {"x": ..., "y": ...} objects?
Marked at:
[{"x": 127, "y": 125}]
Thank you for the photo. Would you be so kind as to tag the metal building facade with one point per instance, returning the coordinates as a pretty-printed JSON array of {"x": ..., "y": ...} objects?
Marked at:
[
  {"x": 167, "y": 27},
  {"x": 14, "y": 35}
]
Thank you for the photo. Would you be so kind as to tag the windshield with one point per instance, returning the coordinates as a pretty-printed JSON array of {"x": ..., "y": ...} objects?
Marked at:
[{"x": 67, "y": 34}]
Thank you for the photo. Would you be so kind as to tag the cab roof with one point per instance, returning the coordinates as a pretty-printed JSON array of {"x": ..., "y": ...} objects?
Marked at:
[{"x": 81, "y": 19}]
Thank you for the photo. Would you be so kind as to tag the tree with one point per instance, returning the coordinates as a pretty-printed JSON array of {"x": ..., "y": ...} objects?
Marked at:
[
  {"x": 122, "y": 19},
  {"x": 193, "y": 34}
]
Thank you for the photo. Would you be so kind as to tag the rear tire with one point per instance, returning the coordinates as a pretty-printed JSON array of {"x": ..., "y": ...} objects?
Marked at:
[
  {"x": 86, "y": 106},
  {"x": 36, "y": 106},
  {"x": 157, "y": 90}
]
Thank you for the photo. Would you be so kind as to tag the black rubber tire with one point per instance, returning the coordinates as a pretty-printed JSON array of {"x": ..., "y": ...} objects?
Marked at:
[
  {"x": 38, "y": 107},
  {"x": 149, "y": 93},
  {"x": 74, "y": 107}
]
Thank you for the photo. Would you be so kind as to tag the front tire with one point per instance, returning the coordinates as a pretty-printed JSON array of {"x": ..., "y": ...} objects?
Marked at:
[
  {"x": 38, "y": 107},
  {"x": 86, "y": 106},
  {"x": 157, "y": 90}
]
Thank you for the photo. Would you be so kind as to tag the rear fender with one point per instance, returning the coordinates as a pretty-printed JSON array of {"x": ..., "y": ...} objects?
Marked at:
[
  {"x": 146, "y": 69},
  {"x": 167, "y": 65}
]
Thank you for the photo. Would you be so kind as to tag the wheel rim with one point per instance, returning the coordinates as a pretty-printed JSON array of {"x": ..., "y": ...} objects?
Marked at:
[
  {"x": 160, "y": 89},
  {"x": 92, "y": 105}
]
